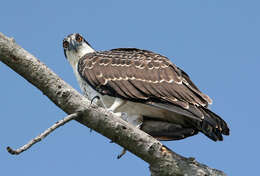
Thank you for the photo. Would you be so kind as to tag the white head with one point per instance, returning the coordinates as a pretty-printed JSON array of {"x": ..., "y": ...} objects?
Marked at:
[{"x": 75, "y": 46}]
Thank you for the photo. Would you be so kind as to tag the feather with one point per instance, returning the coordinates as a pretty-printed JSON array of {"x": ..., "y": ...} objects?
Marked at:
[
  {"x": 143, "y": 76},
  {"x": 166, "y": 131}
]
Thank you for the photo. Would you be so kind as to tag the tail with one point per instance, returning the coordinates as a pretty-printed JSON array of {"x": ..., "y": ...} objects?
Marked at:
[
  {"x": 212, "y": 125},
  {"x": 166, "y": 131}
]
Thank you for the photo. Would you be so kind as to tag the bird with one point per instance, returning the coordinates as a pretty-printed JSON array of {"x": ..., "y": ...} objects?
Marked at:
[{"x": 157, "y": 96}]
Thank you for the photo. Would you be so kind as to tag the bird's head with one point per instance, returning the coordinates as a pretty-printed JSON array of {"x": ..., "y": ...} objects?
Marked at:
[{"x": 75, "y": 46}]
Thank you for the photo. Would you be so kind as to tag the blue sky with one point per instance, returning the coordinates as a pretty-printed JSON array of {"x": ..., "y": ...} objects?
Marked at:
[{"x": 215, "y": 41}]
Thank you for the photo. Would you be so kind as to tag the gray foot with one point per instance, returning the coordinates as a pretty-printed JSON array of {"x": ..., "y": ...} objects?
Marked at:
[{"x": 134, "y": 120}]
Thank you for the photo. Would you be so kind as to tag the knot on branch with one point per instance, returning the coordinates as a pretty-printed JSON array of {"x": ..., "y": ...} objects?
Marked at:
[{"x": 63, "y": 93}]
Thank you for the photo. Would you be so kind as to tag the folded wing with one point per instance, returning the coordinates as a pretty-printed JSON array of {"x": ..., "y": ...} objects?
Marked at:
[{"x": 143, "y": 76}]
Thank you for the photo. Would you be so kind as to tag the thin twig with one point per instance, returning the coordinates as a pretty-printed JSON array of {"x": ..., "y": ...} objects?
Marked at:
[{"x": 42, "y": 135}]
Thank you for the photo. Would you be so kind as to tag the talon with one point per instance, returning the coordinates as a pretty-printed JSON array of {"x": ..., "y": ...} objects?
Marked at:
[
  {"x": 139, "y": 125},
  {"x": 95, "y": 97},
  {"x": 136, "y": 121},
  {"x": 110, "y": 110},
  {"x": 121, "y": 154},
  {"x": 124, "y": 116}
]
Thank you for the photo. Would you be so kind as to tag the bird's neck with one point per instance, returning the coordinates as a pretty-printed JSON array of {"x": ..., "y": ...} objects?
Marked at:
[
  {"x": 74, "y": 57},
  {"x": 85, "y": 49}
]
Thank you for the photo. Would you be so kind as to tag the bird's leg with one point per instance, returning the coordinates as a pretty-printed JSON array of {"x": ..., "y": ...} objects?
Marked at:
[
  {"x": 136, "y": 121},
  {"x": 117, "y": 103},
  {"x": 100, "y": 100}
]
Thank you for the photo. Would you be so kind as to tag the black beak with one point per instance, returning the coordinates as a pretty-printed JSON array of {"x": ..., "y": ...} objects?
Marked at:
[{"x": 72, "y": 45}]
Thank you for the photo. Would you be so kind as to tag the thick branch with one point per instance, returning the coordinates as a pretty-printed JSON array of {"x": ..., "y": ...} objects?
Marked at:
[{"x": 161, "y": 159}]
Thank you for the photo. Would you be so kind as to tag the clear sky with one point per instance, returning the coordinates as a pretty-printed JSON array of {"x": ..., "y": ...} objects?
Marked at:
[{"x": 215, "y": 41}]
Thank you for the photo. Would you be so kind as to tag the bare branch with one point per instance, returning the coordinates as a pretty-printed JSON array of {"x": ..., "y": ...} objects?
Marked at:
[
  {"x": 42, "y": 135},
  {"x": 162, "y": 160}
]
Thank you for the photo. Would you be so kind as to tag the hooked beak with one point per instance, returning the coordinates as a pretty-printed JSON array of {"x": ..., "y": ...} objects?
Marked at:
[{"x": 72, "y": 45}]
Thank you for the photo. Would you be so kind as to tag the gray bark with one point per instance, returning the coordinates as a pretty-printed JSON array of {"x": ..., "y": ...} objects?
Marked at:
[{"x": 162, "y": 160}]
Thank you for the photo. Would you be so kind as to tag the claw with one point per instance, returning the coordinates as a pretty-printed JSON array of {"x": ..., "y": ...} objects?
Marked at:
[
  {"x": 124, "y": 116},
  {"x": 101, "y": 101},
  {"x": 95, "y": 97},
  {"x": 121, "y": 154},
  {"x": 136, "y": 121}
]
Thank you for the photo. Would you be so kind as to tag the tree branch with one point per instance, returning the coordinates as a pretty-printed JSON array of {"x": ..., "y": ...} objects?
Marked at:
[
  {"x": 42, "y": 135},
  {"x": 162, "y": 160}
]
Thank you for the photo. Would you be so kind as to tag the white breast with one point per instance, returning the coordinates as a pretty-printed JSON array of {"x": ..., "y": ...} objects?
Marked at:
[{"x": 87, "y": 90}]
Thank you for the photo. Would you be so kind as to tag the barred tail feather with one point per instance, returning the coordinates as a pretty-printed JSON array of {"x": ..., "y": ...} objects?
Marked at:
[
  {"x": 212, "y": 125},
  {"x": 199, "y": 119}
]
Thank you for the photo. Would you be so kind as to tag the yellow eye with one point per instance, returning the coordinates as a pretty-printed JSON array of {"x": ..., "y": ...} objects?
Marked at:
[
  {"x": 79, "y": 38},
  {"x": 65, "y": 44}
]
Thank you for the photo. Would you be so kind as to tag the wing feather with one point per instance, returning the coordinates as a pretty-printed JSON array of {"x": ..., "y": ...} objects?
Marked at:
[
  {"x": 144, "y": 76},
  {"x": 152, "y": 75}
]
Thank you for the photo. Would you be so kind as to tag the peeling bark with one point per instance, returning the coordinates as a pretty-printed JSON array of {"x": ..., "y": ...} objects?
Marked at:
[{"x": 162, "y": 160}]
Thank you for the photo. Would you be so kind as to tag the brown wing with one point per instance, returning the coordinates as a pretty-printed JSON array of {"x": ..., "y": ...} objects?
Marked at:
[
  {"x": 140, "y": 75},
  {"x": 144, "y": 76}
]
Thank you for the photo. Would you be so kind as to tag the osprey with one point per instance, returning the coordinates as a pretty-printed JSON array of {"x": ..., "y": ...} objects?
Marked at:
[{"x": 156, "y": 95}]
